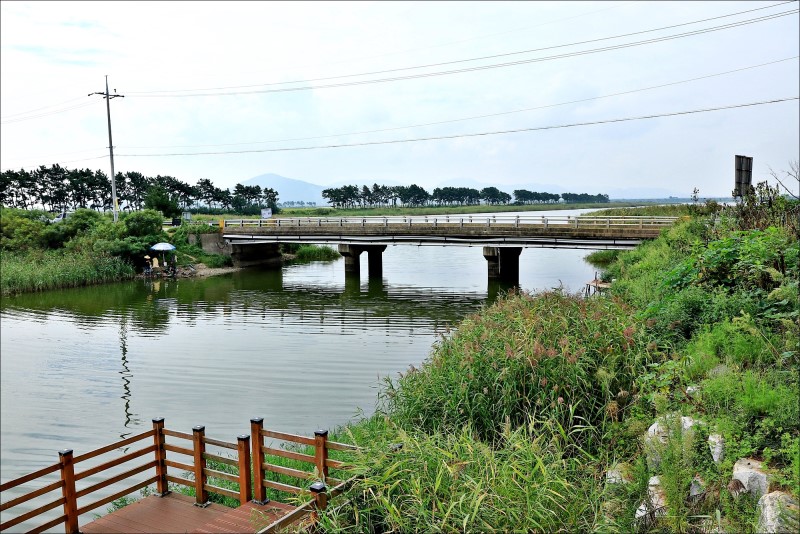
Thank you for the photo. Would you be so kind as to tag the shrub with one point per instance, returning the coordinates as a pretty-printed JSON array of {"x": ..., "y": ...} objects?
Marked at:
[
  {"x": 143, "y": 223},
  {"x": 316, "y": 253},
  {"x": 551, "y": 354},
  {"x": 456, "y": 483},
  {"x": 18, "y": 233}
]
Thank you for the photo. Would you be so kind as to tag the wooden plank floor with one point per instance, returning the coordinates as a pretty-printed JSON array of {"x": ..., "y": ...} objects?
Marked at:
[{"x": 177, "y": 513}]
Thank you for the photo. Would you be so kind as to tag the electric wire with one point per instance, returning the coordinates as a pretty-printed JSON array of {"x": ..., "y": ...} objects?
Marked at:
[
  {"x": 49, "y": 113},
  {"x": 457, "y": 136},
  {"x": 43, "y": 107},
  {"x": 483, "y": 67},
  {"x": 758, "y": 19},
  {"x": 5, "y": 166},
  {"x": 473, "y": 117}
]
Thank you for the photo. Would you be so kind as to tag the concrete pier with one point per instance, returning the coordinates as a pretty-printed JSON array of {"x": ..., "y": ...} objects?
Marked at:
[
  {"x": 256, "y": 254},
  {"x": 503, "y": 264},
  {"x": 352, "y": 259}
]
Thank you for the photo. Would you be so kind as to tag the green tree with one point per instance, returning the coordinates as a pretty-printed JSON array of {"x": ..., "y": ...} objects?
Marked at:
[
  {"x": 143, "y": 223},
  {"x": 159, "y": 199}
]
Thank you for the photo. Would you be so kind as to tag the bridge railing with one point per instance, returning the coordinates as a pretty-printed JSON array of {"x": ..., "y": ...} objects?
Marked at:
[{"x": 449, "y": 221}]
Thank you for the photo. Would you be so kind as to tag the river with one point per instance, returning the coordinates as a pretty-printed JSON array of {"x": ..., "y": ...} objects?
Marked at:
[{"x": 301, "y": 346}]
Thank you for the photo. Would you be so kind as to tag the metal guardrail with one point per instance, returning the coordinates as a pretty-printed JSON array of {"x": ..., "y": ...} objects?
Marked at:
[{"x": 457, "y": 222}]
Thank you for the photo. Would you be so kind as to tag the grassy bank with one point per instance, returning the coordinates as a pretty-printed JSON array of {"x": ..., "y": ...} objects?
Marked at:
[
  {"x": 517, "y": 415},
  {"x": 85, "y": 249},
  {"x": 316, "y": 253},
  {"x": 42, "y": 270}
]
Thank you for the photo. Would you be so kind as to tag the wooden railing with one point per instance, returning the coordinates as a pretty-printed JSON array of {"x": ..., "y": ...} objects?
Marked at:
[
  {"x": 68, "y": 478},
  {"x": 458, "y": 221},
  {"x": 239, "y": 466},
  {"x": 276, "y": 477}
]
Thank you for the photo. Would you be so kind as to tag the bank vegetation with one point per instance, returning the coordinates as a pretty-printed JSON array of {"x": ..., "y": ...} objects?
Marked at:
[{"x": 537, "y": 413}]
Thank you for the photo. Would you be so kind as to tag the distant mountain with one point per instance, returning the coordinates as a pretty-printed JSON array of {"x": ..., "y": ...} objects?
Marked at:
[{"x": 289, "y": 189}]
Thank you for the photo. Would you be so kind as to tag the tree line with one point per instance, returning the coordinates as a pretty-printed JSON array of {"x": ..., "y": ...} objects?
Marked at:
[
  {"x": 351, "y": 196},
  {"x": 57, "y": 188}
]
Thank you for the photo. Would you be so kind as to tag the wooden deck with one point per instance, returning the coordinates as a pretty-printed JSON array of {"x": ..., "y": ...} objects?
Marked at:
[
  {"x": 177, "y": 513},
  {"x": 209, "y": 473}
]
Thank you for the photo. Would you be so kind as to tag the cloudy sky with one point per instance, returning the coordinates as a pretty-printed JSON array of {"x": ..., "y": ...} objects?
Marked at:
[{"x": 258, "y": 78}]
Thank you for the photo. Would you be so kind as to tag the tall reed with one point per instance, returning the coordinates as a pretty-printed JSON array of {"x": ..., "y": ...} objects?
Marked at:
[{"x": 42, "y": 270}]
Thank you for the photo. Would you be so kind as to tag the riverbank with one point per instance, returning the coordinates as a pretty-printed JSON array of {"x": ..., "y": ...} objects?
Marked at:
[{"x": 628, "y": 412}]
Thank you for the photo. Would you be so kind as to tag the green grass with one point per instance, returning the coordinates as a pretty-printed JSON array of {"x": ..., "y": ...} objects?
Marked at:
[
  {"x": 43, "y": 270},
  {"x": 663, "y": 210},
  {"x": 316, "y": 253},
  {"x": 602, "y": 258},
  {"x": 538, "y": 394}
]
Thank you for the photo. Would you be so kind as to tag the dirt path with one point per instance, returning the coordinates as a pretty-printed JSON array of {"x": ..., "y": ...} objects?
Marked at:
[{"x": 201, "y": 271}]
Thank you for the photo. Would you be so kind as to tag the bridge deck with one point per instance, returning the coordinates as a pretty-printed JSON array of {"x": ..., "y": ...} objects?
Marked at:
[
  {"x": 570, "y": 232},
  {"x": 177, "y": 513}
]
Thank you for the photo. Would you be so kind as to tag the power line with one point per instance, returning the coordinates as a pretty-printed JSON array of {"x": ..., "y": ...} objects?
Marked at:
[
  {"x": 43, "y": 107},
  {"x": 6, "y": 166},
  {"x": 484, "y": 67},
  {"x": 164, "y": 92},
  {"x": 47, "y": 114},
  {"x": 476, "y": 116},
  {"x": 437, "y": 138},
  {"x": 479, "y": 37}
]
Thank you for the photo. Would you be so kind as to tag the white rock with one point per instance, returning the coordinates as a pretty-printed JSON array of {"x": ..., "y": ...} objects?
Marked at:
[
  {"x": 750, "y": 473},
  {"x": 655, "y": 505},
  {"x": 658, "y": 434},
  {"x": 716, "y": 444},
  {"x": 691, "y": 390},
  {"x": 618, "y": 475},
  {"x": 697, "y": 488},
  {"x": 778, "y": 513}
]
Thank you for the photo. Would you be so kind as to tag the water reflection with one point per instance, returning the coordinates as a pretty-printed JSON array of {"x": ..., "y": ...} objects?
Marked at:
[
  {"x": 126, "y": 376},
  {"x": 303, "y": 346}
]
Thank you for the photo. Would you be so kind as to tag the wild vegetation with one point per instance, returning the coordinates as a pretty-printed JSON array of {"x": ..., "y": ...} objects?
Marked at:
[
  {"x": 518, "y": 414},
  {"x": 86, "y": 248}
]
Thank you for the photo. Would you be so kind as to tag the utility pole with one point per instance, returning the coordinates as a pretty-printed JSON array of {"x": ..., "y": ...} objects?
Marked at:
[{"x": 108, "y": 98}]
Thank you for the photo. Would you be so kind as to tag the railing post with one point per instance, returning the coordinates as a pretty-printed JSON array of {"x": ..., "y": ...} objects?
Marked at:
[
  {"x": 321, "y": 452},
  {"x": 320, "y": 499},
  {"x": 256, "y": 441},
  {"x": 161, "y": 456},
  {"x": 245, "y": 487},
  {"x": 68, "y": 491},
  {"x": 199, "y": 448}
]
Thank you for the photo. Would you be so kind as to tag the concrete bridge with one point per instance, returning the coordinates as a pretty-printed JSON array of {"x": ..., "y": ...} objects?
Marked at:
[{"x": 502, "y": 237}]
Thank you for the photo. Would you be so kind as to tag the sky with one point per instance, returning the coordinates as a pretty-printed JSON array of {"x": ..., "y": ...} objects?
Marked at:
[{"x": 275, "y": 81}]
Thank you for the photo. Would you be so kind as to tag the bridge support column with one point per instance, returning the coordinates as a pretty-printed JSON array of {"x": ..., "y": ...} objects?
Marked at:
[
  {"x": 375, "y": 260},
  {"x": 503, "y": 264},
  {"x": 352, "y": 259}
]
